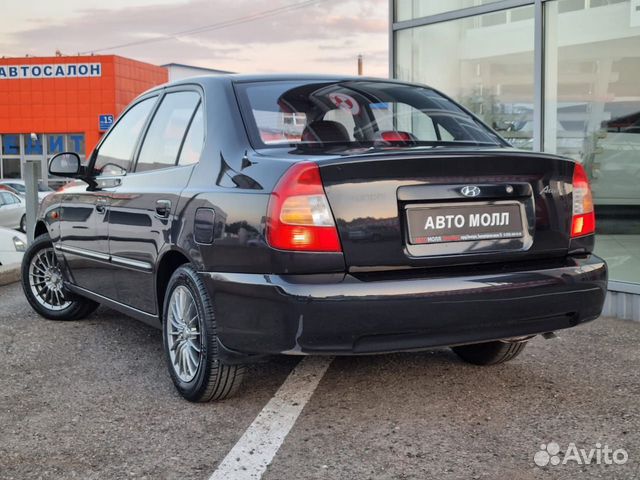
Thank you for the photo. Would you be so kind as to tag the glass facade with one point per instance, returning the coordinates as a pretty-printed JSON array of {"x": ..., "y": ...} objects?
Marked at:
[
  {"x": 410, "y": 9},
  {"x": 470, "y": 60},
  {"x": 16, "y": 148},
  {"x": 585, "y": 55},
  {"x": 592, "y": 114}
]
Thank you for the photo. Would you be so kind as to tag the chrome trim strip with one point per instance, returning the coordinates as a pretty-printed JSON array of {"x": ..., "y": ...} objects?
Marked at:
[
  {"x": 83, "y": 253},
  {"x": 103, "y": 257},
  {"x": 136, "y": 264}
]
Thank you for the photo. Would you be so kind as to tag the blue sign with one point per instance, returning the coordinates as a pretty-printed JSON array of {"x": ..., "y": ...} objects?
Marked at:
[{"x": 105, "y": 122}]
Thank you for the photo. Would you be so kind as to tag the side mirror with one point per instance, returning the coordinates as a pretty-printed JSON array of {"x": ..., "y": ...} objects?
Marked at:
[{"x": 66, "y": 164}]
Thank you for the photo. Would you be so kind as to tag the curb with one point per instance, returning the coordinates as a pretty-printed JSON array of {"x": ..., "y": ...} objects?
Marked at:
[{"x": 9, "y": 274}]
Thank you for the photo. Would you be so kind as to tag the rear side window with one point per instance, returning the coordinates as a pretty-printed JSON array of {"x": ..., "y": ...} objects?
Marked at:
[
  {"x": 116, "y": 152},
  {"x": 167, "y": 130},
  {"x": 192, "y": 147}
]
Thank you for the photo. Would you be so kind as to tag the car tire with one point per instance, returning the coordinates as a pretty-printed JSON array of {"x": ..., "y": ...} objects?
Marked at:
[
  {"x": 42, "y": 283},
  {"x": 23, "y": 224},
  {"x": 190, "y": 341},
  {"x": 489, "y": 353}
]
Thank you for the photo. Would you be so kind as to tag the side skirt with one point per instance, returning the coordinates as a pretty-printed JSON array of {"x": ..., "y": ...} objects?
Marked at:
[{"x": 148, "y": 318}]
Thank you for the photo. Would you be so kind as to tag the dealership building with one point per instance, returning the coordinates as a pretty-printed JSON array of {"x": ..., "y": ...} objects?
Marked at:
[
  {"x": 559, "y": 76},
  {"x": 56, "y": 104},
  {"x": 65, "y": 103}
]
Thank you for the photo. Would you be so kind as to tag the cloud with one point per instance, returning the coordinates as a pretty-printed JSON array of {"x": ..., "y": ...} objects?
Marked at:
[{"x": 335, "y": 29}]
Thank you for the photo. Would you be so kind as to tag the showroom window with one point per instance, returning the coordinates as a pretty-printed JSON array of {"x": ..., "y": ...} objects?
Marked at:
[
  {"x": 592, "y": 114},
  {"x": 410, "y": 9},
  {"x": 561, "y": 76},
  {"x": 15, "y": 149},
  {"x": 482, "y": 62}
]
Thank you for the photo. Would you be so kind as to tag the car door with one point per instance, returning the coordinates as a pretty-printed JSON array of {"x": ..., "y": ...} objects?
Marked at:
[
  {"x": 84, "y": 211},
  {"x": 11, "y": 210},
  {"x": 144, "y": 204}
]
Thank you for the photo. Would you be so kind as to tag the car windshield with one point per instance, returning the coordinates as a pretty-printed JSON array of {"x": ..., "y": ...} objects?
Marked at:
[{"x": 355, "y": 114}]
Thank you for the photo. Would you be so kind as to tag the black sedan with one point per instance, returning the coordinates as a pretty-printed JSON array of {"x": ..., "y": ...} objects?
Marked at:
[{"x": 248, "y": 216}]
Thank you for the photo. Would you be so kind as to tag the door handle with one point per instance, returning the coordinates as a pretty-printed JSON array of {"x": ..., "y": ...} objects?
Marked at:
[
  {"x": 163, "y": 208},
  {"x": 101, "y": 204}
]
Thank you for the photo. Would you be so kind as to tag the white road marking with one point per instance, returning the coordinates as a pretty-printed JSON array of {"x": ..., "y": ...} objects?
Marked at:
[{"x": 249, "y": 458}]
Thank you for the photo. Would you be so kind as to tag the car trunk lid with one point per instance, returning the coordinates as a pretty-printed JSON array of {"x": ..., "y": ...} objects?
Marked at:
[{"x": 449, "y": 207}]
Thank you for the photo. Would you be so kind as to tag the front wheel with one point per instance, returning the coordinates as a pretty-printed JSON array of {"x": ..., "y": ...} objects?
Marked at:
[
  {"x": 23, "y": 224},
  {"x": 190, "y": 341},
  {"x": 490, "y": 353},
  {"x": 43, "y": 284}
]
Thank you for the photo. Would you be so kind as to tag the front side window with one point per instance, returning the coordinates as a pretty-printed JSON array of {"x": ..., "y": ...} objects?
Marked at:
[
  {"x": 116, "y": 152},
  {"x": 352, "y": 114},
  {"x": 167, "y": 130}
]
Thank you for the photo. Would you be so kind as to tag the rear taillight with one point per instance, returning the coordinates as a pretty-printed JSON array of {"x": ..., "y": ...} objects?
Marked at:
[
  {"x": 584, "y": 218},
  {"x": 299, "y": 217}
]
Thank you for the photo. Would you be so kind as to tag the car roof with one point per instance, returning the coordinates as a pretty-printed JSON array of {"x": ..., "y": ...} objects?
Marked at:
[{"x": 205, "y": 80}]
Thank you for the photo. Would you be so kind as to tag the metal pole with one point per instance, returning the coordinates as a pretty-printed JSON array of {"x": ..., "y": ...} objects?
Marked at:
[
  {"x": 538, "y": 77},
  {"x": 360, "y": 65},
  {"x": 392, "y": 43},
  {"x": 31, "y": 167}
]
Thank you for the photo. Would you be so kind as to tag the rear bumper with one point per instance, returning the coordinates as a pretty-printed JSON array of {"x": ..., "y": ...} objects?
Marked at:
[{"x": 342, "y": 314}]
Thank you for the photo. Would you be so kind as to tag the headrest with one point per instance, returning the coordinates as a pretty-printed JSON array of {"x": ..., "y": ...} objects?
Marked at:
[{"x": 325, "y": 131}]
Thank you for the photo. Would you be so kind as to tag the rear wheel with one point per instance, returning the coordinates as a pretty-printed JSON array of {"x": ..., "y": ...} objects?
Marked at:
[
  {"x": 190, "y": 341},
  {"x": 43, "y": 284},
  {"x": 490, "y": 353}
]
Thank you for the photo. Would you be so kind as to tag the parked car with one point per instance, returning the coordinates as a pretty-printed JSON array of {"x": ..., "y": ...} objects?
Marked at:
[
  {"x": 240, "y": 244},
  {"x": 20, "y": 187},
  {"x": 7, "y": 188},
  {"x": 12, "y": 246},
  {"x": 13, "y": 211}
]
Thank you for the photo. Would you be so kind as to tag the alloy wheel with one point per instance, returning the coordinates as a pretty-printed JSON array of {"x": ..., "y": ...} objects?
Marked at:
[
  {"x": 183, "y": 331},
  {"x": 45, "y": 280}
]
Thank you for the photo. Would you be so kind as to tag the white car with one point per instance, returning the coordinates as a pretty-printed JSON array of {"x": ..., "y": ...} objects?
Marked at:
[
  {"x": 13, "y": 211},
  {"x": 12, "y": 246},
  {"x": 20, "y": 187}
]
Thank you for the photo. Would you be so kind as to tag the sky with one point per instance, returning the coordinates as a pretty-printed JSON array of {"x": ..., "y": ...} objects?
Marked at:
[{"x": 323, "y": 36}]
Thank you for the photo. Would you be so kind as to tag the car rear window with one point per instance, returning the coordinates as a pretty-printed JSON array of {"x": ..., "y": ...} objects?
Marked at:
[{"x": 354, "y": 114}]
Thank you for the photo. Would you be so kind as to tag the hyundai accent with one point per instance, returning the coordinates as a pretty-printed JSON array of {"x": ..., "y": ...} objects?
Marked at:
[{"x": 249, "y": 216}]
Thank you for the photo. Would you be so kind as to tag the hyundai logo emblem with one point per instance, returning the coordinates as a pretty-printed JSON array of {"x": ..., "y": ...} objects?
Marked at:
[{"x": 470, "y": 191}]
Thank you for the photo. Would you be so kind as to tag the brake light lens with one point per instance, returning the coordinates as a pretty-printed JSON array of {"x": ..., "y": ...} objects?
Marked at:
[
  {"x": 299, "y": 217},
  {"x": 584, "y": 218},
  {"x": 393, "y": 136}
]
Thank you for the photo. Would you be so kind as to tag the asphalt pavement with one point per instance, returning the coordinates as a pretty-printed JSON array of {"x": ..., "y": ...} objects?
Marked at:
[{"x": 92, "y": 400}]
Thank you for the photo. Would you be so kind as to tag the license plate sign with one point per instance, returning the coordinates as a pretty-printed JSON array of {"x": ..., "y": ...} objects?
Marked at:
[{"x": 463, "y": 223}]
